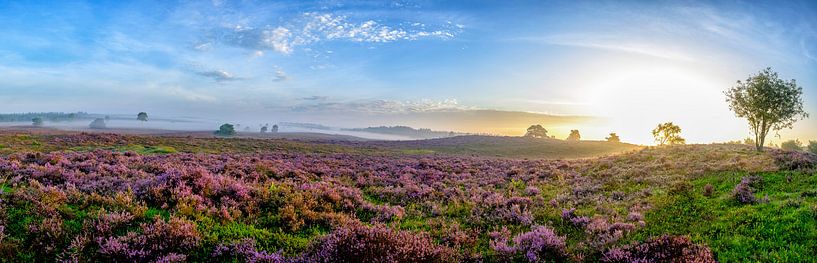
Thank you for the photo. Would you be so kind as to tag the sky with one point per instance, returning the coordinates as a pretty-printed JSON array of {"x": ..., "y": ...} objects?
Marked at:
[{"x": 472, "y": 66}]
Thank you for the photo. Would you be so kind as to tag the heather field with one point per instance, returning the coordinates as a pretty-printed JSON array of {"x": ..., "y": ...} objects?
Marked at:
[{"x": 115, "y": 198}]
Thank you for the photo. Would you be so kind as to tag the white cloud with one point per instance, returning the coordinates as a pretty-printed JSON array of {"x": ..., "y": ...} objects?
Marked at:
[
  {"x": 384, "y": 106},
  {"x": 311, "y": 28},
  {"x": 280, "y": 75},
  {"x": 218, "y": 75},
  {"x": 278, "y": 39},
  {"x": 612, "y": 44}
]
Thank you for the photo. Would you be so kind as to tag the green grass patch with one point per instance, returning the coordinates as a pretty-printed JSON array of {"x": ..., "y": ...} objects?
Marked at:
[{"x": 781, "y": 230}]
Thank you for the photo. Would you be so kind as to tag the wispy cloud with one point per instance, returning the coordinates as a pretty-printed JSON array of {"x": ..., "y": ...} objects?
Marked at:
[
  {"x": 218, "y": 75},
  {"x": 315, "y": 98},
  {"x": 610, "y": 43},
  {"x": 312, "y": 27},
  {"x": 384, "y": 106}
]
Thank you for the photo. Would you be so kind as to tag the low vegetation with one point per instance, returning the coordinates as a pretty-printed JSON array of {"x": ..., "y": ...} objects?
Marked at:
[{"x": 95, "y": 197}]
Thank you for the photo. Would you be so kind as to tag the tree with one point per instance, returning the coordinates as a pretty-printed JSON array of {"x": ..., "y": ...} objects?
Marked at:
[
  {"x": 792, "y": 145},
  {"x": 37, "y": 121},
  {"x": 274, "y": 128},
  {"x": 98, "y": 123},
  {"x": 574, "y": 136},
  {"x": 226, "y": 130},
  {"x": 537, "y": 131},
  {"x": 668, "y": 134},
  {"x": 812, "y": 147},
  {"x": 264, "y": 128},
  {"x": 142, "y": 116},
  {"x": 613, "y": 137},
  {"x": 767, "y": 102}
]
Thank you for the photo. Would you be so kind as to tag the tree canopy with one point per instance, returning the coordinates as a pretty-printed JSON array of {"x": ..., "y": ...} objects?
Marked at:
[
  {"x": 613, "y": 137},
  {"x": 537, "y": 131},
  {"x": 37, "y": 121},
  {"x": 792, "y": 145},
  {"x": 226, "y": 130},
  {"x": 142, "y": 116},
  {"x": 574, "y": 136},
  {"x": 98, "y": 123},
  {"x": 767, "y": 103},
  {"x": 668, "y": 134}
]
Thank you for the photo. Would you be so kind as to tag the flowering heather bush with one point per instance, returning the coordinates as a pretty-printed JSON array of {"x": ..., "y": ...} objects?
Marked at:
[
  {"x": 375, "y": 244},
  {"x": 661, "y": 249},
  {"x": 541, "y": 244},
  {"x": 744, "y": 191},
  {"x": 244, "y": 251}
]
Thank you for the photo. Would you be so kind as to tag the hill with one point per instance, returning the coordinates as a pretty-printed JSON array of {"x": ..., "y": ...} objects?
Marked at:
[{"x": 511, "y": 147}]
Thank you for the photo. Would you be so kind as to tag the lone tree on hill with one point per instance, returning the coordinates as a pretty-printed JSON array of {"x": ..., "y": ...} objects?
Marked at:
[
  {"x": 226, "y": 130},
  {"x": 142, "y": 116},
  {"x": 37, "y": 121},
  {"x": 767, "y": 102},
  {"x": 98, "y": 123},
  {"x": 613, "y": 137},
  {"x": 668, "y": 134},
  {"x": 574, "y": 136},
  {"x": 537, "y": 131}
]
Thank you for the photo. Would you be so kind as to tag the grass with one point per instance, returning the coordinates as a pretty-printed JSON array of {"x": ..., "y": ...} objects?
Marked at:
[{"x": 784, "y": 229}]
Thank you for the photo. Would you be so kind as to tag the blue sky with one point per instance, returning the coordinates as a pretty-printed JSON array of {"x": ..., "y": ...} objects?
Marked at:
[{"x": 632, "y": 64}]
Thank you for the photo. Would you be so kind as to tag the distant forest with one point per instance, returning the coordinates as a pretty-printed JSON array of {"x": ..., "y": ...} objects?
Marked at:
[
  {"x": 408, "y": 132},
  {"x": 46, "y": 116}
]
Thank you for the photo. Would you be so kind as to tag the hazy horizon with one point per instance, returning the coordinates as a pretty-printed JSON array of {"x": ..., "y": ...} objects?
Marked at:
[{"x": 478, "y": 67}]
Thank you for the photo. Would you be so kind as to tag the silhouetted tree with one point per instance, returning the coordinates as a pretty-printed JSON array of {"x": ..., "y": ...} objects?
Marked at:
[
  {"x": 37, "y": 121},
  {"x": 274, "y": 128},
  {"x": 537, "y": 131},
  {"x": 98, "y": 123},
  {"x": 226, "y": 130},
  {"x": 142, "y": 116},
  {"x": 792, "y": 145},
  {"x": 264, "y": 129},
  {"x": 613, "y": 138},
  {"x": 812, "y": 147},
  {"x": 574, "y": 136},
  {"x": 767, "y": 102},
  {"x": 668, "y": 134}
]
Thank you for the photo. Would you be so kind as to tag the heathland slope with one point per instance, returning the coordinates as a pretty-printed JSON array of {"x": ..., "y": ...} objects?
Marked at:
[
  {"x": 294, "y": 203},
  {"x": 512, "y": 147}
]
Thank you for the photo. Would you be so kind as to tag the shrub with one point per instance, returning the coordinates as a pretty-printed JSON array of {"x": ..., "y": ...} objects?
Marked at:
[
  {"x": 661, "y": 249},
  {"x": 98, "y": 123},
  {"x": 226, "y": 130},
  {"x": 541, "y": 244},
  {"x": 744, "y": 191},
  {"x": 244, "y": 251},
  {"x": 792, "y": 145},
  {"x": 379, "y": 243},
  {"x": 158, "y": 240},
  {"x": 708, "y": 190},
  {"x": 812, "y": 147}
]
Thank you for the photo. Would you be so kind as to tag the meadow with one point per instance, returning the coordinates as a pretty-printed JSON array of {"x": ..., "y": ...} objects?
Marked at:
[{"x": 80, "y": 197}]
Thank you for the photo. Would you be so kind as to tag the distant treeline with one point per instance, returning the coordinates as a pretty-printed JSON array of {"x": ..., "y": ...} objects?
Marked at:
[
  {"x": 408, "y": 132},
  {"x": 46, "y": 116}
]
